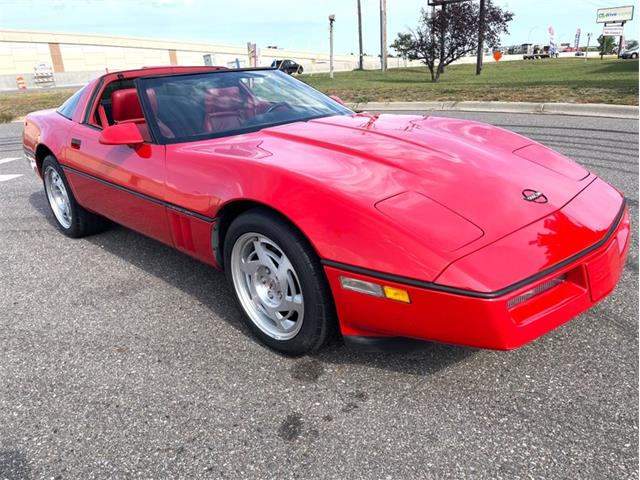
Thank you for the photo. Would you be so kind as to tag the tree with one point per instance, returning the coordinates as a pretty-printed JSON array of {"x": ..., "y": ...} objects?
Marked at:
[
  {"x": 445, "y": 37},
  {"x": 606, "y": 45},
  {"x": 631, "y": 44}
]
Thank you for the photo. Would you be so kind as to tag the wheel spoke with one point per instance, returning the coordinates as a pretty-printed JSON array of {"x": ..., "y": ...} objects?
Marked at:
[
  {"x": 250, "y": 267},
  {"x": 263, "y": 257},
  {"x": 282, "y": 273},
  {"x": 291, "y": 304},
  {"x": 288, "y": 309},
  {"x": 279, "y": 322}
]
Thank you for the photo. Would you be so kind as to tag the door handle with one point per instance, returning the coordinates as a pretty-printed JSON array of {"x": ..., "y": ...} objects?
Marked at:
[{"x": 75, "y": 143}]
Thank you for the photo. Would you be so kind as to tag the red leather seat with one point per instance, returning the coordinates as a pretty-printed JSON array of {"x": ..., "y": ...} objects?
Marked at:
[
  {"x": 125, "y": 106},
  {"x": 224, "y": 109}
]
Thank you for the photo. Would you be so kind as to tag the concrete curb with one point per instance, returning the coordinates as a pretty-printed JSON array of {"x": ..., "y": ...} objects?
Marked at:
[{"x": 580, "y": 109}]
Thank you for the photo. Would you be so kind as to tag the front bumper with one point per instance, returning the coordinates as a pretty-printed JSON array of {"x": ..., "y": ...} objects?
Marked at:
[{"x": 502, "y": 322}]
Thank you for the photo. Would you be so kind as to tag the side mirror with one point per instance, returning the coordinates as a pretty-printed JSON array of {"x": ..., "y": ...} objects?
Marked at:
[
  {"x": 336, "y": 98},
  {"x": 121, "y": 134}
]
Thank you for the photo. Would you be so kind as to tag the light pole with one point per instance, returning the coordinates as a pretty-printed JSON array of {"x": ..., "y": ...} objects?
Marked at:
[
  {"x": 332, "y": 18},
  {"x": 361, "y": 57},
  {"x": 383, "y": 35}
]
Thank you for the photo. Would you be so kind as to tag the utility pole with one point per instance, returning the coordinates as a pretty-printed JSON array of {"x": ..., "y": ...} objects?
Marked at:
[
  {"x": 332, "y": 18},
  {"x": 620, "y": 40},
  {"x": 480, "y": 38},
  {"x": 361, "y": 62},
  {"x": 383, "y": 35},
  {"x": 443, "y": 23}
]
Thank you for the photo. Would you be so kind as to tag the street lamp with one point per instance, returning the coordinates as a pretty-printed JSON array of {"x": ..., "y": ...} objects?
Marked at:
[{"x": 332, "y": 18}]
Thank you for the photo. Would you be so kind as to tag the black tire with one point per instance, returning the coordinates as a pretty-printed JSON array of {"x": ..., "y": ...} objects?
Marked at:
[
  {"x": 83, "y": 222},
  {"x": 319, "y": 322},
  {"x": 634, "y": 55}
]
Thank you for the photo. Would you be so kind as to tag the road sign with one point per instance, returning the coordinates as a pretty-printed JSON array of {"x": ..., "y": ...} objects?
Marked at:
[
  {"x": 613, "y": 31},
  {"x": 576, "y": 43},
  {"x": 614, "y": 14}
]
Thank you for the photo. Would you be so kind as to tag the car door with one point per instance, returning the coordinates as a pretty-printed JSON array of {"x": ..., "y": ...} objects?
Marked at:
[{"x": 122, "y": 183}]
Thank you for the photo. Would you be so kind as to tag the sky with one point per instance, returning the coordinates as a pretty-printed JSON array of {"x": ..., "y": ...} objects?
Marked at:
[{"x": 294, "y": 24}]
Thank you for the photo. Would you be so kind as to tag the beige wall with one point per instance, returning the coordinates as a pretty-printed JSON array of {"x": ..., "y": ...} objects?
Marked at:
[
  {"x": 79, "y": 58},
  {"x": 17, "y": 57},
  {"x": 20, "y": 51}
]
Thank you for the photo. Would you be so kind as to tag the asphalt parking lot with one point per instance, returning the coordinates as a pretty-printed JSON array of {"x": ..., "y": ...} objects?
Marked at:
[{"x": 122, "y": 358}]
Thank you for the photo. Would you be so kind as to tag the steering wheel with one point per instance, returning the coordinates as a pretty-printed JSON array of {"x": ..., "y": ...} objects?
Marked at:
[{"x": 277, "y": 105}]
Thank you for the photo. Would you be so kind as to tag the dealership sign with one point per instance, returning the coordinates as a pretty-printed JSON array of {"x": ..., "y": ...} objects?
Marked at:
[
  {"x": 613, "y": 31},
  {"x": 614, "y": 14}
]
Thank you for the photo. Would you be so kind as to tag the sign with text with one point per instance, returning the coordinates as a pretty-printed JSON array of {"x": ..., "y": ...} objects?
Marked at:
[
  {"x": 613, "y": 31},
  {"x": 614, "y": 14},
  {"x": 576, "y": 42}
]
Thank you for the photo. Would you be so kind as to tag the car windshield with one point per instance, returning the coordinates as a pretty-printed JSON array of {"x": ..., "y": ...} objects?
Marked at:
[{"x": 191, "y": 107}]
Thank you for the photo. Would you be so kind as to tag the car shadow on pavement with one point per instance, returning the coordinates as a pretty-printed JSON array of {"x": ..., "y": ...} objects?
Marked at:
[{"x": 209, "y": 287}]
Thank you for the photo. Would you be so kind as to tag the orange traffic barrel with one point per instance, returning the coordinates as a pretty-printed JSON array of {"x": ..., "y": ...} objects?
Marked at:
[{"x": 21, "y": 83}]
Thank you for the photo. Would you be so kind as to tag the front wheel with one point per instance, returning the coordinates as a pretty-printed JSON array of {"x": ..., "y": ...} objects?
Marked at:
[{"x": 278, "y": 283}]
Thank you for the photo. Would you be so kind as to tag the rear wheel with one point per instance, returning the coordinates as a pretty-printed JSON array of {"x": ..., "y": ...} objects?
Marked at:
[
  {"x": 71, "y": 219},
  {"x": 278, "y": 283}
]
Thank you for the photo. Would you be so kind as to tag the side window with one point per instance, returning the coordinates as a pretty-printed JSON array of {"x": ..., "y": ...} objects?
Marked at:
[
  {"x": 103, "y": 106},
  {"x": 68, "y": 108},
  {"x": 119, "y": 103}
]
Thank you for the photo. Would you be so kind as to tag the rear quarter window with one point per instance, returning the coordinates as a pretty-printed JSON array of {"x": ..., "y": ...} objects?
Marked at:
[{"x": 68, "y": 108}]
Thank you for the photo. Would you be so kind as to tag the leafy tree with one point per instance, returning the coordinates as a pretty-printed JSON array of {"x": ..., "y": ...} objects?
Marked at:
[
  {"x": 631, "y": 44},
  {"x": 445, "y": 37},
  {"x": 607, "y": 45}
]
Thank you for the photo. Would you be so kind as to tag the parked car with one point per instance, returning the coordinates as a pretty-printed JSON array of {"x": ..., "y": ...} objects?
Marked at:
[
  {"x": 288, "y": 66},
  {"x": 328, "y": 220},
  {"x": 632, "y": 53}
]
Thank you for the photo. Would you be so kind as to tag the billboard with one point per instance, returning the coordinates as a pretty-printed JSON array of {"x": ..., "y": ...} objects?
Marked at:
[
  {"x": 614, "y": 14},
  {"x": 613, "y": 31}
]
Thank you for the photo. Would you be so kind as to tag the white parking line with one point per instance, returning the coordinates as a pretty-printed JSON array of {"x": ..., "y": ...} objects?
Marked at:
[
  {"x": 11, "y": 176},
  {"x": 8, "y": 159}
]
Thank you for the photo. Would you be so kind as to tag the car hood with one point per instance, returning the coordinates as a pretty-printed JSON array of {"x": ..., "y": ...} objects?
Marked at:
[{"x": 476, "y": 171}]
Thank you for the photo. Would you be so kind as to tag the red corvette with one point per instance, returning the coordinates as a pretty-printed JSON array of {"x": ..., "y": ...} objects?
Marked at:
[{"x": 322, "y": 218}]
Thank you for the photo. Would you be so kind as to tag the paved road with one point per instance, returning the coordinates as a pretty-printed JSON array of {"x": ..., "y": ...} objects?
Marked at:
[{"x": 121, "y": 358}]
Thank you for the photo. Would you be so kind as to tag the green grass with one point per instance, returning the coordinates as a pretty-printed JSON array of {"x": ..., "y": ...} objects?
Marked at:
[
  {"x": 558, "y": 80},
  {"x": 15, "y": 105},
  {"x": 555, "y": 80}
]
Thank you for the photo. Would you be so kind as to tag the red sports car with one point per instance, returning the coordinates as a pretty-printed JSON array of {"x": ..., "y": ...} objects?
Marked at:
[{"x": 324, "y": 219}]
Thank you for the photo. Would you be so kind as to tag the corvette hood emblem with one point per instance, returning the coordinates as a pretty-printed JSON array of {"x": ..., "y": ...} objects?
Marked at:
[{"x": 534, "y": 196}]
